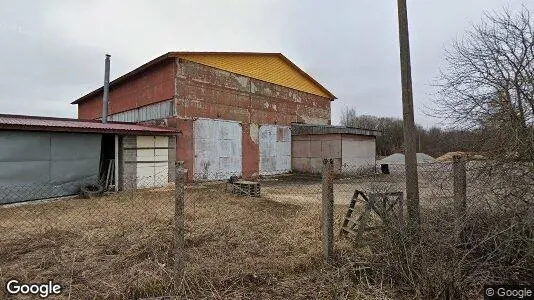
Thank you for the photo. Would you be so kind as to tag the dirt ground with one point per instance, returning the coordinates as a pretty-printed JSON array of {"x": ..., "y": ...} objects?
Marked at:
[
  {"x": 120, "y": 246},
  {"x": 305, "y": 190}
]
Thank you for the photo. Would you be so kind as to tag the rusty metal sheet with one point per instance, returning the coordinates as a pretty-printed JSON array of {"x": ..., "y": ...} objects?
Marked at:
[
  {"x": 16, "y": 122},
  {"x": 275, "y": 149},
  {"x": 217, "y": 146}
]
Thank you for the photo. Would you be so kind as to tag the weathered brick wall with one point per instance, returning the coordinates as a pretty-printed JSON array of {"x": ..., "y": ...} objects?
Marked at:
[
  {"x": 202, "y": 91},
  {"x": 206, "y": 92},
  {"x": 150, "y": 86},
  {"x": 172, "y": 158}
]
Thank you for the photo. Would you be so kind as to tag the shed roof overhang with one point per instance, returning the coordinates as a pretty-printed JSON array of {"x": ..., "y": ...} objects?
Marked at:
[{"x": 34, "y": 123}]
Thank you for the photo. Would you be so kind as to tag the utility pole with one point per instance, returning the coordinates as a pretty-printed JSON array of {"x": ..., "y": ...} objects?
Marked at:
[
  {"x": 328, "y": 207},
  {"x": 412, "y": 182}
]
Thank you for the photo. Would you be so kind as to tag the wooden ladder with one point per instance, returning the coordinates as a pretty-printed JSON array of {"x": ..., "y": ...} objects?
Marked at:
[
  {"x": 351, "y": 224},
  {"x": 388, "y": 210}
]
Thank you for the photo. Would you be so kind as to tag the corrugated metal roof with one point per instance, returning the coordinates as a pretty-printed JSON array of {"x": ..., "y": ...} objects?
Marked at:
[
  {"x": 299, "y": 129},
  {"x": 33, "y": 123},
  {"x": 244, "y": 67}
]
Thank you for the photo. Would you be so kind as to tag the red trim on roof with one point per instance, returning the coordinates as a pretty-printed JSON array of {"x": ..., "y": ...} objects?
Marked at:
[{"x": 35, "y": 123}]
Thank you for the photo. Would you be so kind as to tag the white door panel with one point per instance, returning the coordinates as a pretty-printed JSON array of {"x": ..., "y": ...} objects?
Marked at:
[
  {"x": 217, "y": 149},
  {"x": 275, "y": 149},
  {"x": 152, "y": 164}
]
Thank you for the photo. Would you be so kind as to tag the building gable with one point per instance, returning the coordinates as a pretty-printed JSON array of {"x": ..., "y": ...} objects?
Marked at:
[{"x": 269, "y": 67}]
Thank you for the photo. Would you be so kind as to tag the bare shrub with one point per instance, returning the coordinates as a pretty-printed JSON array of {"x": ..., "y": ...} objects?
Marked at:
[{"x": 496, "y": 245}]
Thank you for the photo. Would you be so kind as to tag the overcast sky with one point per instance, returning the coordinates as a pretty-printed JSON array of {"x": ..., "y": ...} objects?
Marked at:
[{"x": 53, "y": 51}]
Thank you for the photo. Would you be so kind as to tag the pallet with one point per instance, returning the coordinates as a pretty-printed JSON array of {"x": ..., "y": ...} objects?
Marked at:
[{"x": 246, "y": 188}]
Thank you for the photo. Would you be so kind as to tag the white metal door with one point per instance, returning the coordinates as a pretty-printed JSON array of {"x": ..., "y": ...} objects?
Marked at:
[
  {"x": 152, "y": 161},
  {"x": 275, "y": 149},
  {"x": 217, "y": 149}
]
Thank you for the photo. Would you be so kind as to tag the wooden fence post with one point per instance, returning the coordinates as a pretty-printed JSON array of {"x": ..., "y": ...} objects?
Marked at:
[
  {"x": 179, "y": 229},
  {"x": 328, "y": 207},
  {"x": 460, "y": 195}
]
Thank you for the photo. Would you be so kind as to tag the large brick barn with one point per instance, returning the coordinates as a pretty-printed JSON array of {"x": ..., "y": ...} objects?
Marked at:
[{"x": 234, "y": 109}]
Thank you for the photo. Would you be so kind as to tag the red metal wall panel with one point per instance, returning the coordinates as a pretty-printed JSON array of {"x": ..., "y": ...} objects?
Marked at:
[
  {"x": 150, "y": 86},
  {"x": 90, "y": 109},
  {"x": 184, "y": 145}
]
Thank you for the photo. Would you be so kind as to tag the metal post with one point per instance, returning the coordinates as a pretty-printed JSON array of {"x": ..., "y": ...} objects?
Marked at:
[
  {"x": 179, "y": 226},
  {"x": 412, "y": 183},
  {"x": 105, "y": 99},
  {"x": 460, "y": 195},
  {"x": 328, "y": 207}
]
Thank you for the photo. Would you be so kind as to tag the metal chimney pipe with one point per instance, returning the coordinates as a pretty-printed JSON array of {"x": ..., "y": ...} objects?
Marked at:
[{"x": 105, "y": 100}]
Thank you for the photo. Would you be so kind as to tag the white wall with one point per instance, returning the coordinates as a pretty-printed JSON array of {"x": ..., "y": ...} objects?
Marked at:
[{"x": 358, "y": 153}]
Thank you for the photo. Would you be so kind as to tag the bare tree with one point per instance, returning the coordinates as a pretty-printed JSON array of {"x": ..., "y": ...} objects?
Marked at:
[
  {"x": 434, "y": 141},
  {"x": 391, "y": 139},
  {"x": 489, "y": 83}
]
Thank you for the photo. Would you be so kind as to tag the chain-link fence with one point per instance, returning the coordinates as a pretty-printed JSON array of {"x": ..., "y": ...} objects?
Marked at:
[
  {"x": 263, "y": 238},
  {"x": 104, "y": 246},
  {"x": 476, "y": 227}
]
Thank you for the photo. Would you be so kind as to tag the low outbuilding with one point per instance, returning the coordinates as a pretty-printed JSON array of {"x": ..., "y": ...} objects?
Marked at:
[
  {"x": 43, "y": 157},
  {"x": 352, "y": 149}
]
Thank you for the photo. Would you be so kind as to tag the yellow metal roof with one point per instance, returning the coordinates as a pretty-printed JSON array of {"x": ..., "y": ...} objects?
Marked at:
[{"x": 270, "y": 67}]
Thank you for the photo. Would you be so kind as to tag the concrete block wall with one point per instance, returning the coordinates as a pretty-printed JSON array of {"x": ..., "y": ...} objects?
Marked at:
[
  {"x": 128, "y": 161},
  {"x": 127, "y": 165},
  {"x": 308, "y": 152},
  {"x": 359, "y": 154}
]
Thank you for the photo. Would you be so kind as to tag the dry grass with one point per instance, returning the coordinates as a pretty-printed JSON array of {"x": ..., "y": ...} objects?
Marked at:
[{"x": 119, "y": 247}]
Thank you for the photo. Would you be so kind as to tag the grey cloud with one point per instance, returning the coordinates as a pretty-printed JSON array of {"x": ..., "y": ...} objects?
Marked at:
[{"x": 53, "y": 51}]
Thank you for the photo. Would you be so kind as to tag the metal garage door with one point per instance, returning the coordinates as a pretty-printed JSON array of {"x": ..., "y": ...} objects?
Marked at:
[
  {"x": 275, "y": 149},
  {"x": 217, "y": 149},
  {"x": 152, "y": 161},
  {"x": 38, "y": 165}
]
